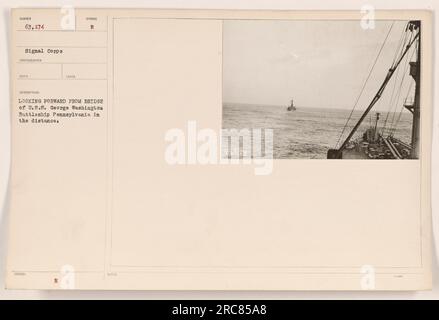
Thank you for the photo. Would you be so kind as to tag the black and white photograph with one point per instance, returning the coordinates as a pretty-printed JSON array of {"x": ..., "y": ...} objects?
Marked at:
[{"x": 327, "y": 89}]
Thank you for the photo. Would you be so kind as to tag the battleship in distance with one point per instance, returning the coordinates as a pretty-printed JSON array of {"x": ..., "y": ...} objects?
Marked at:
[{"x": 291, "y": 107}]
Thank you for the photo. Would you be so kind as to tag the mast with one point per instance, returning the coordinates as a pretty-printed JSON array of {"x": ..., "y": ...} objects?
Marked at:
[
  {"x": 415, "y": 72},
  {"x": 375, "y": 135},
  {"x": 337, "y": 152}
]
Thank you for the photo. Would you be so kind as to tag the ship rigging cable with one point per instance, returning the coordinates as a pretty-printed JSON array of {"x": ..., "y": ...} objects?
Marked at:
[
  {"x": 364, "y": 85},
  {"x": 393, "y": 128},
  {"x": 395, "y": 98},
  {"x": 402, "y": 41},
  {"x": 394, "y": 109}
]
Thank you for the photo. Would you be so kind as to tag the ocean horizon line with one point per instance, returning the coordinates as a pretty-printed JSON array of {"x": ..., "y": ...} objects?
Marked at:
[{"x": 305, "y": 107}]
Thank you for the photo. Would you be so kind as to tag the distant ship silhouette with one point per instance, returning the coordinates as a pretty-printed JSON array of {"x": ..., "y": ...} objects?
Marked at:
[{"x": 291, "y": 107}]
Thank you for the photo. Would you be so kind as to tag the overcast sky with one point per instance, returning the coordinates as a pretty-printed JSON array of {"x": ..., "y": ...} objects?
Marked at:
[{"x": 318, "y": 63}]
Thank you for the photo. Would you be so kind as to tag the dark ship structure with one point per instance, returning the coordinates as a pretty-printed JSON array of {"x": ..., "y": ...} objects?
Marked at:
[{"x": 291, "y": 107}]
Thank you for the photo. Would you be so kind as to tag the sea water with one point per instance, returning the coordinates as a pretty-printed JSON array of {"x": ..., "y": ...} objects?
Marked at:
[{"x": 308, "y": 133}]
